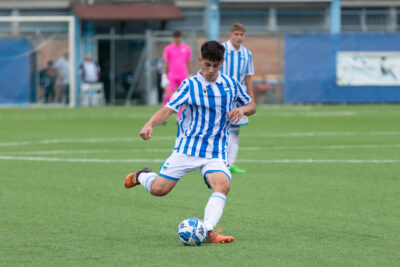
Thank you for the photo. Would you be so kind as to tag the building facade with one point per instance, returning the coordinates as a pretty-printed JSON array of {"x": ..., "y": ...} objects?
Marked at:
[{"x": 131, "y": 34}]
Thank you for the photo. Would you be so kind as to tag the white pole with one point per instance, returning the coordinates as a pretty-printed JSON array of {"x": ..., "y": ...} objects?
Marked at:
[
  {"x": 71, "y": 43},
  {"x": 35, "y": 18},
  {"x": 72, "y": 60}
]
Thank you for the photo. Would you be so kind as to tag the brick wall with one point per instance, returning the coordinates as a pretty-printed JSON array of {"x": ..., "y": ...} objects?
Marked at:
[{"x": 267, "y": 53}]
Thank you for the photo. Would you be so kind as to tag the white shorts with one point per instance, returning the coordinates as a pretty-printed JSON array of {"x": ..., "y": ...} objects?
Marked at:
[
  {"x": 177, "y": 165},
  {"x": 243, "y": 121}
]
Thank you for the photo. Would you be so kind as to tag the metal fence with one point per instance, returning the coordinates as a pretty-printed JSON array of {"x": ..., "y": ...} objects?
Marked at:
[
  {"x": 283, "y": 20},
  {"x": 369, "y": 20}
]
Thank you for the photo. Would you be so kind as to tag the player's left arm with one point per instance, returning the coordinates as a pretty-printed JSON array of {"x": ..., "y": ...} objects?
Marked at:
[
  {"x": 248, "y": 106},
  {"x": 249, "y": 72},
  {"x": 236, "y": 114},
  {"x": 249, "y": 84}
]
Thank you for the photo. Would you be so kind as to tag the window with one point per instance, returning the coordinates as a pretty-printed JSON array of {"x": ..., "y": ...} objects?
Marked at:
[
  {"x": 301, "y": 19},
  {"x": 252, "y": 19}
]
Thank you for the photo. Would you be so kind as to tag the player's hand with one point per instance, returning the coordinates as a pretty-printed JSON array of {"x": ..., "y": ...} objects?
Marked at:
[
  {"x": 235, "y": 115},
  {"x": 164, "y": 81},
  {"x": 146, "y": 132}
]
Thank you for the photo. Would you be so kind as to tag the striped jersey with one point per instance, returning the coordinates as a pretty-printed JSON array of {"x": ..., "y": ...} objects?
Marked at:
[
  {"x": 203, "y": 127},
  {"x": 237, "y": 63}
]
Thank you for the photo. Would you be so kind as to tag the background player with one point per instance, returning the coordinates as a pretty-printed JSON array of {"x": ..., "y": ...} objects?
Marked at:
[
  {"x": 239, "y": 64},
  {"x": 202, "y": 135},
  {"x": 177, "y": 59}
]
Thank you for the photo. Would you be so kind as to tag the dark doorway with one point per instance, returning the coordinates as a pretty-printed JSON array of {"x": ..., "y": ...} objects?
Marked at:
[{"x": 117, "y": 77}]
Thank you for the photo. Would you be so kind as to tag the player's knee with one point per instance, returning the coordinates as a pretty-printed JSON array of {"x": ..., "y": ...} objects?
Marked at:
[
  {"x": 226, "y": 189},
  {"x": 222, "y": 187},
  {"x": 159, "y": 190}
]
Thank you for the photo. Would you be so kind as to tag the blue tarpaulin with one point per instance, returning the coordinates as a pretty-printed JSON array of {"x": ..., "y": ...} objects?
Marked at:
[
  {"x": 310, "y": 68},
  {"x": 14, "y": 71}
]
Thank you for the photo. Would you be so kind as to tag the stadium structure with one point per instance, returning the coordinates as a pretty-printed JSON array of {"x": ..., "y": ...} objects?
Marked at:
[{"x": 309, "y": 51}]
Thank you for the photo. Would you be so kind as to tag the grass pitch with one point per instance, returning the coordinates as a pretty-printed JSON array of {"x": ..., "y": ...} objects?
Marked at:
[{"x": 322, "y": 188}]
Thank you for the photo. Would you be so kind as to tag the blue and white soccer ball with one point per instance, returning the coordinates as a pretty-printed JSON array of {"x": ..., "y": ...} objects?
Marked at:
[{"x": 191, "y": 232}]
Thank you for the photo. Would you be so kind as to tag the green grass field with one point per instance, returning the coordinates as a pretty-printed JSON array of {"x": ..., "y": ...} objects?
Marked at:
[{"x": 322, "y": 188}]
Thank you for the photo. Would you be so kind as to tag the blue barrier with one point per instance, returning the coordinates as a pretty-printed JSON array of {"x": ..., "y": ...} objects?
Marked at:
[
  {"x": 14, "y": 71},
  {"x": 310, "y": 68}
]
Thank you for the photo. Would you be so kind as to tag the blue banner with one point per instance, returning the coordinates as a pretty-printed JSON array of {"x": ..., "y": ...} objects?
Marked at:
[
  {"x": 14, "y": 71},
  {"x": 310, "y": 68}
]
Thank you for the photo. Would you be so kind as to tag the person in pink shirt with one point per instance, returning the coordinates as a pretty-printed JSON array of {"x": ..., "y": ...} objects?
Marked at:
[{"x": 177, "y": 58}]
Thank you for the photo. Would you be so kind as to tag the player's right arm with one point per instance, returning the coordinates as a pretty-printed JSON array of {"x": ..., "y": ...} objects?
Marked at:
[
  {"x": 159, "y": 117},
  {"x": 177, "y": 100}
]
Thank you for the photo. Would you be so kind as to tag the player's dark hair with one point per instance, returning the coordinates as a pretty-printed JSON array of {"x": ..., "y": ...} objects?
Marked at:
[
  {"x": 212, "y": 50},
  {"x": 176, "y": 34}
]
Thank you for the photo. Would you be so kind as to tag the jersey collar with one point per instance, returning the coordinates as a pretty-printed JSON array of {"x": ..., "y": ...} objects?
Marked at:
[
  {"x": 207, "y": 83},
  {"x": 231, "y": 47}
]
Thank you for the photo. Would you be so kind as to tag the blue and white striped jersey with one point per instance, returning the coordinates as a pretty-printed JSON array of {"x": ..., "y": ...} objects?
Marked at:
[
  {"x": 204, "y": 128},
  {"x": 237, "y": 63}
]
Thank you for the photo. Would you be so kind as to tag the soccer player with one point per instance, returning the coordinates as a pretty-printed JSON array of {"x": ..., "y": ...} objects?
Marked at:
[
  {"x": 210, "y": 99},
  {"x": 239, "y": 64},
  {"x": 177, "y": 62}
]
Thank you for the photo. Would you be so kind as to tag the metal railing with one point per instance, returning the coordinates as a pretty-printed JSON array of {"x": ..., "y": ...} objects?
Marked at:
[{"x": 281, "y": 20}]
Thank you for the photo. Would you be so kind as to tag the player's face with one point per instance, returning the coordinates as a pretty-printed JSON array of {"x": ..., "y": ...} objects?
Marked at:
[
  {"x": 178, "y": 40},
  {"x": 237, "y": 38},
  {"x": 209, "y": 68}
]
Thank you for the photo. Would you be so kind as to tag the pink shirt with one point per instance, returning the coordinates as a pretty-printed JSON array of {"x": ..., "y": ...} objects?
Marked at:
[{"x": 177, "y": 57}]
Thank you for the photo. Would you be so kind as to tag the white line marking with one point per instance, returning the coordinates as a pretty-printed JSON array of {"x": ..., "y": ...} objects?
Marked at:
[
  {"x": 311, "y": 114},
  {"x": 162, "y": 138},
  {"x": 94, "y": 151},
  {"x": 334, "y": 147},
  {"x": 70, "y": 116},
  {"x": 312, "y": 134},
  {"x": 321, "y": 161},
  {"x": 80, "y": 160},
  {"x": 84, "y": 140},
  {"x": 156, "y": 150},
  {"x": 351, "y": 161}
]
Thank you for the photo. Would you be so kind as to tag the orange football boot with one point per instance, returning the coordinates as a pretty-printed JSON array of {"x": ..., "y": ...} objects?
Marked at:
[
  {"x": 131, "y": 179},
  {"x": 214, "y": 236}
]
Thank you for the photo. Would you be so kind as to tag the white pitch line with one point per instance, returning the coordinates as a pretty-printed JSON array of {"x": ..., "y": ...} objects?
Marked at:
[
  {"x": 84, "y": 140},
  {"x": 311, "y": 114},
  {"x": 321, "y": 161},
  {"x": 94, "y": 151},
  {"x": 284, "y": 161},
  {"x": 66, "y": 117},
  {"x": 80, "y": 160},
  {"x": 333, "y": 147},
  {"x": 156, "y": 150},
  {"x": 162, "y": 138},
  {"x": 312, "y": 134}
]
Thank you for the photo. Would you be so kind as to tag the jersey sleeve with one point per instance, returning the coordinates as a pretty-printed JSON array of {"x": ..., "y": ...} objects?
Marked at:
[
  {"x": 180, "y": 97},
  {"x": 250, "y": 66},
  {"x": 242, "y": 97}
]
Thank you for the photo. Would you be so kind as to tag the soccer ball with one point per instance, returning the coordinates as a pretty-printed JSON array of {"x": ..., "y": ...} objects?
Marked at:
[{"x": 191, "y": 232}]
